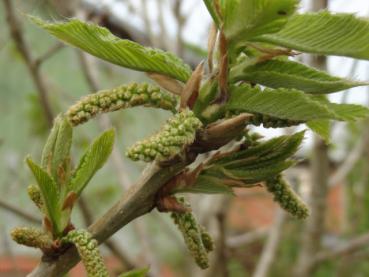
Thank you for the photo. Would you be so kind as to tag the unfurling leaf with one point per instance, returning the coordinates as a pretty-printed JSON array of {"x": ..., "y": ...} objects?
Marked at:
[
  {"x": 89, "y": 252},
  {"x": 193, "y": 235},
  {"x": 287, "y": 198},
  {"x": 56, "y": 153},
  {"x": 120, "y": 98},
  {"x": 321, "y": 127},
  {"x": 99, "y": 42},
  {"x": 325, "y": 34},
  {"x": 32, "y": 237},
  {"x": 94, "y": 158},
  {"x": 50, "y": 195},
  {"x": 292, "y": 75},
  {"x": 176, "y": 134}
]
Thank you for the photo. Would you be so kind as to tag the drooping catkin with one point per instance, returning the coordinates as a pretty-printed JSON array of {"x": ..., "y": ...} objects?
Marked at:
[
  {"x": 287, "y": 198},
  {"x": 177, "y": 133},
  {"x": 198, "y": 242},
  {"x": 31, "y": 237},
  {"x": 122, "y": 97},
  {"x": 89, "y": 252}
]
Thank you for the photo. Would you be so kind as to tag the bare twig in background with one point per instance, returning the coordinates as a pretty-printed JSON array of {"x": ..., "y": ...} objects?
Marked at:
[
  {"x": 350, "y": 160},
  {"x": 177, "y": 11},
  {"x": 270, "y": 249},
  {"x": 349, "y": 248},
  {"x": 24, "y": 49},
  {"x": 19, "y": 212},
  {"x": 247, "y": 238},
  {"x": 49, "y": 53}
]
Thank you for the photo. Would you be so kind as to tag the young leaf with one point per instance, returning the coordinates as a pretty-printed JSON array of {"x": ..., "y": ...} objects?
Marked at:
[
  {"x": 281, "y": 103},
  {"x": 136, "y": 273},
  {"x": 321, "y": 127},
  {"x": 244, "y": 20},
  {"x": 325, "y": 34},
  {"x": 98, "y": 41},
  {"x": 207, "y": 185},
  {"x": 293, "y": 75},
  {"x": 348, "y": 112},
  {"x": 94, "y": 158},
  {"x": 56, "y": 153},
  {"x": 50, "y": 194}
]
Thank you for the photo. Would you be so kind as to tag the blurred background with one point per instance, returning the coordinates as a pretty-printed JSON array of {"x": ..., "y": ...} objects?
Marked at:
[{"x": 253, "y": 236}]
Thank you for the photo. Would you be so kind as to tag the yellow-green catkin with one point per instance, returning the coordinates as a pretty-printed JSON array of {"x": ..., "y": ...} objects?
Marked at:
[
  {"x": 34, "y": 194},
  {"x": 31, "y": 237},
  {"x": 122, "y": 97},
  {"x": 287, "y": 198},
  {"x": 207, "y": 240},
  {"x": 177, "y": 133},
  {"x": 89, "y": 252},
  {"x": 197, "y": 242}
]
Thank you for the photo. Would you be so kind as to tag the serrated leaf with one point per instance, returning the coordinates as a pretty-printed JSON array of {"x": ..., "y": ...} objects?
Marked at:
[
  {"x": 267, "y": 153},
  {"x": 321, "y": 127},
  {"x": 94, "y": 158},
  {"x": 287, "y": 104},
  {"x": 348, "y": 112},
  {"x": 246, "y": 19},
  {"x": 325, "y": 34},
  {"x": 98, "y": 41},
  {"x": 207, "y": 185},
  {"x": 136, "y": 273},
  {"x": 257, "y": 174},
  {"x": 293, "y": 75},
  {"x": 50, "y": 193}
]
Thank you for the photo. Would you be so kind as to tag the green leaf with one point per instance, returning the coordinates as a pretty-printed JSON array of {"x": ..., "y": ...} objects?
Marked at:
[
  {"x": 245, "y": 19},
  {"x": 98, "y": 41},
  {"x": 348, "y": 112},
  {"x": 207, "y": 185},
  {"x": 210, "y": 5},
  {"x": 325, "y": 34},
  {"x": 94, "y": 158},
  {"x": 256, "y": 174},
  {"x": 321, "y": 127},
  {"x": 289, "y": 74},
  {"x": 50, "y": 193},
  {"x": 136, "y": 273},
  {"x": 281, "y": 103}
]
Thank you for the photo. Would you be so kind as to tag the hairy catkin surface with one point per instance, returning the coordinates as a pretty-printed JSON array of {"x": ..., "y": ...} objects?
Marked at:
[
  {"x": 197, "y": 240},
  {"x": 89, "y": 252},
  {"x": 122, "y": 97},
  {"x": 34, "y": 194},
  {"x": 287, "y": 198},
  {"x": 177, "y": 133},
  {"x": 31, "y": 237}
]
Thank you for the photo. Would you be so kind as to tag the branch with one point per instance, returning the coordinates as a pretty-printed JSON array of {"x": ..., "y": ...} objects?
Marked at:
[
  {"x": 139, "y": 200},
  {"x": 17, "y": 35},
  {"x": 349, "y": 248},
  {"x": 19, "y": 212},
  {"x": 247, "y": 238},
  {"x": 271, "y": 246}
]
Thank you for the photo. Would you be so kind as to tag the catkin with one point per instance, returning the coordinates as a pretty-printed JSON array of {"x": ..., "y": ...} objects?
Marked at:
[
  {"x": 89, "y": 252},
  {"x": 31, "y": 237},
  {"x": 177, "y": 133},
  {"x": 287, "y": 198},
  {"x": 34, "y": 194},
  {"x": 122, "y": 97},
  {"x": 197, "y": 240}
]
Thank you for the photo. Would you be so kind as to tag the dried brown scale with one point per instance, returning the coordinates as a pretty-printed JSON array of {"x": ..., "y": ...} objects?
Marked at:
[{"x": 125, "y": 96}]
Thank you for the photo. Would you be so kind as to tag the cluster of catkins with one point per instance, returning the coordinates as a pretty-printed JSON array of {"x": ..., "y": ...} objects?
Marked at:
[
  {"x": 89, "y": 252},
  {"x": 198, "y": 241},
  {"x": 125, "y": 96},
  {"x": 178, "y": 132}
]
